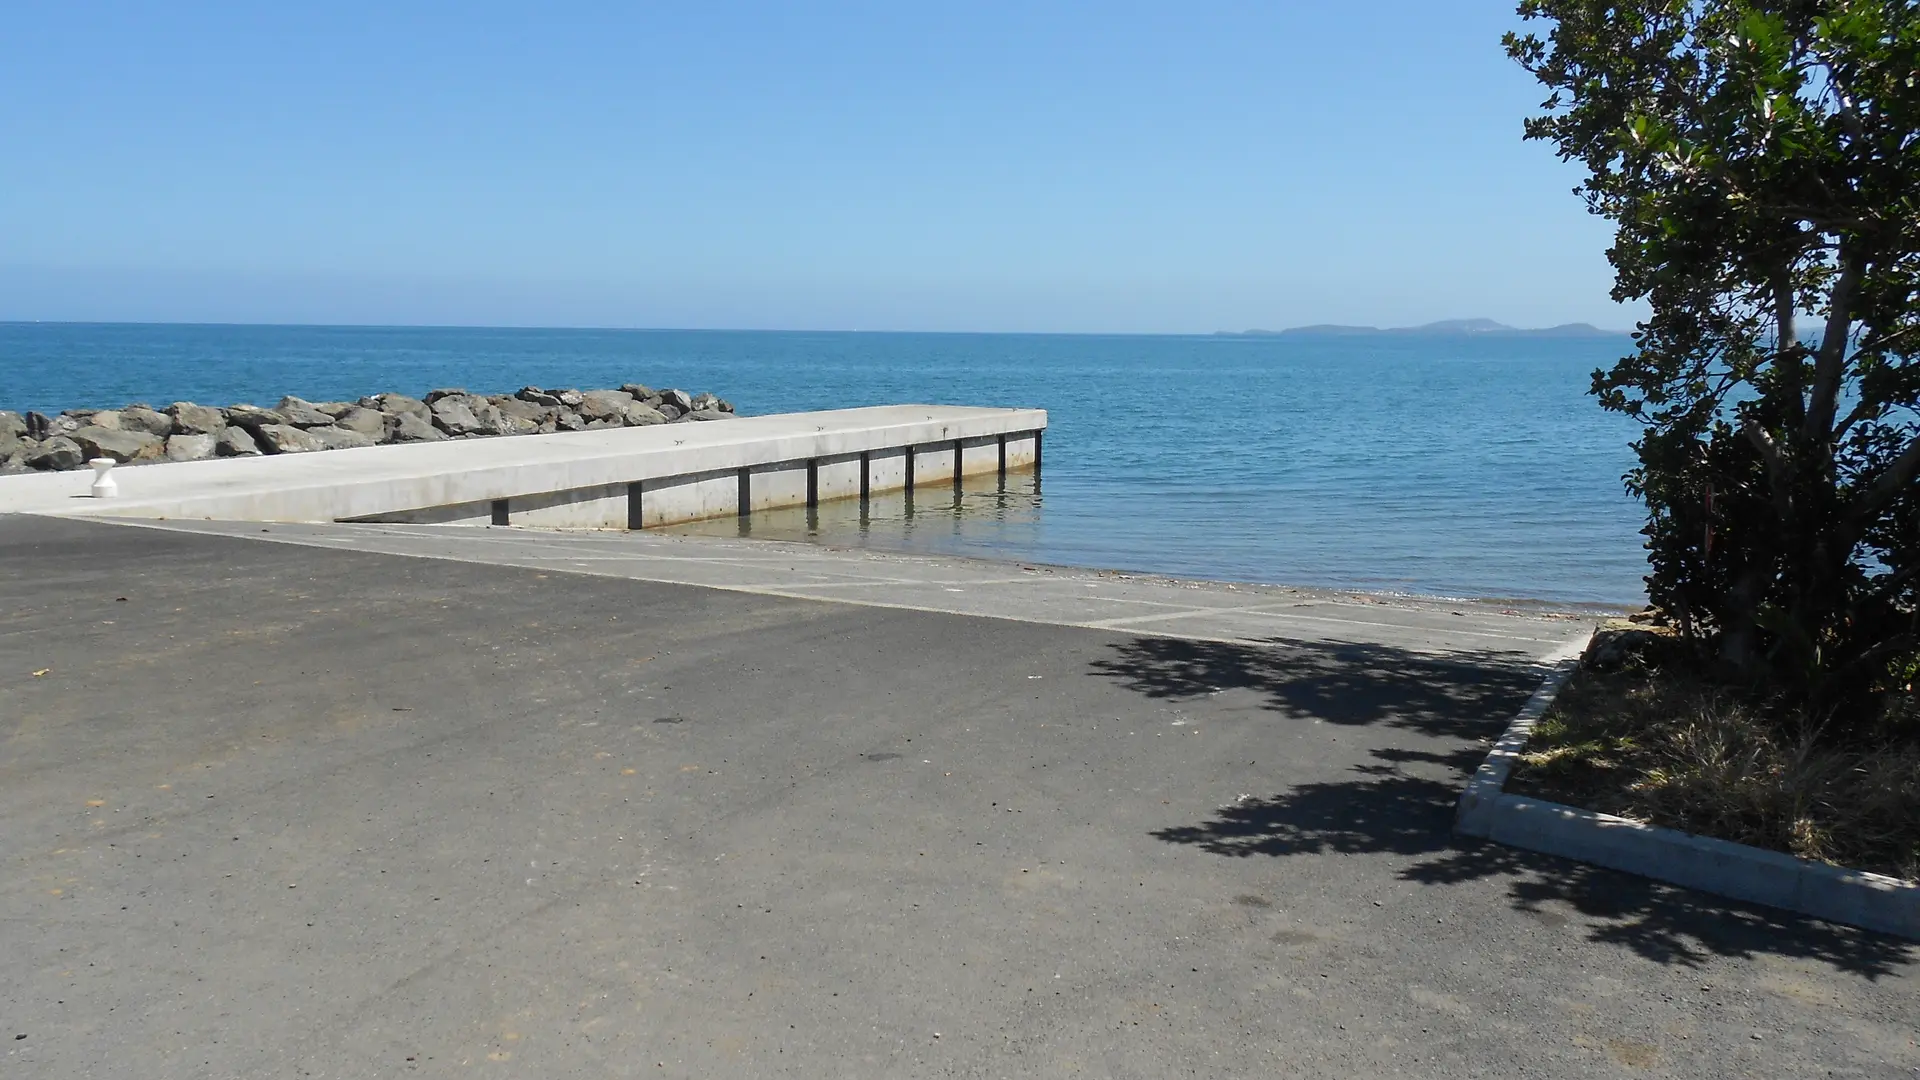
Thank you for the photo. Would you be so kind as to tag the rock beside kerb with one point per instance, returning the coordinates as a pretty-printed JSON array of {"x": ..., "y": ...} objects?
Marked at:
[{"x": 184, "y": 431}]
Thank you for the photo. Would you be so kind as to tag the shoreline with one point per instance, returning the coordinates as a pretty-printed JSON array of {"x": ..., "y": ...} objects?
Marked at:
[
  {"x": 1558, "y": 609},
  {"x": 837, "y": 539}
]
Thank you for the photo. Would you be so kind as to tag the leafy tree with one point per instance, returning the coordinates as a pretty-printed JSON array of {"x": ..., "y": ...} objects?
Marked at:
[{"x": 1761, "y": 162}]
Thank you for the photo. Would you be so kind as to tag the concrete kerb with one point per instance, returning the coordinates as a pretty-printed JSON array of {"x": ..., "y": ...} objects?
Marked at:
[
  {"x": 1474, "y": 815},
  {"x": 1721, "y": 867}
]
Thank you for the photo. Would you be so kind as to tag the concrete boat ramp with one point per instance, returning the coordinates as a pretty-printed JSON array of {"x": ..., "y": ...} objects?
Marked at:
[
  {"x": 1056, "y": 596},
  {"x": 398, "y": 799}
]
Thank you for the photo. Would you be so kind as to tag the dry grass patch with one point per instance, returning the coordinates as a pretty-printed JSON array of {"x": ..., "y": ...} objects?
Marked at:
[{"x": 1668, "y": 749}]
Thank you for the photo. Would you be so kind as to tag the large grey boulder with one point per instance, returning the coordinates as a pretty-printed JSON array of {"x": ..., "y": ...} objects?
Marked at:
[
  {"x": 512, "y": 425},
  {"x": 395, "y": 404},
  {"x": 639, "y": 415},
  {"x": 522, "y": 408},
  {"x": 605, "y": 405},
  {"x": 640, "y": 391},
  {"x": 463, "y": 415},
  {"x": 678, "y": 399},
  {"x": 119, "y": 445},
  {"x": 302, "y": 413},
  {"x": 191, "y": 419},
  {"x": 436, "y": 395},
  {"x": 58, "y": 452},
  {"x": 495, "y": 422},
  {"x": 1619, "y": 644},
  {"x": 235, "y": 442},
  {"x": 533, "y": 395},
  {"x": 13, "y": 434},
  {"x": 669, "y": 410},
  {"x": 253, "y": 417},
  {"x": 191, "y": 447},
  {"x": 334, "y": 408},
  {"x": 146, "y": 418},
  {"x": 708, "y": 414},
  {"x": 74, "y": 419},
  {"x": 339, "y": 438},
  {"x": 286, "y": 439},
  {"x": 409, "y": 427},
  {"x": 568, "y": 420},
  {"x": 365, "y": 421}
]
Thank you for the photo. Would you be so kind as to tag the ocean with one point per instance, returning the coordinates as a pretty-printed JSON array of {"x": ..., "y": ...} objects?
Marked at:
[{"x": 1451, "y": 465}]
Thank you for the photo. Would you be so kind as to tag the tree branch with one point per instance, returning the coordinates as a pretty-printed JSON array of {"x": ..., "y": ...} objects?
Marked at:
[
  {"x": 1786, "y": 344},
  {"x": 1866, "y": 410},
  {"x": 1776, "y": 467},
  {"x": 1886, "y": 589},
  {"x": 1831, "y": 361},
  {"x": 1862, "y": 666},
  {"x": 1899, "y": 475}
]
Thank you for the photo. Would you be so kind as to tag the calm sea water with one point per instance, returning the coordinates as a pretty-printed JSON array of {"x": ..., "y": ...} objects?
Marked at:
[{"x": 1439, "y": 465}]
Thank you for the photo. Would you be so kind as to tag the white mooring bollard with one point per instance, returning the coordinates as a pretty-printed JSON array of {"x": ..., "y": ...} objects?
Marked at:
[{"x": 104, "y": 485}]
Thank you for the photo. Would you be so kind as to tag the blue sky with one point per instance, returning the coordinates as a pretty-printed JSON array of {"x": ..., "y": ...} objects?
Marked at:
[{"x": 1123, "y": 167}]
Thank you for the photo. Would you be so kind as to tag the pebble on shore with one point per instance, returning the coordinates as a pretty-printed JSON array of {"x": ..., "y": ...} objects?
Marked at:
[{"x": 184, "y": 431}]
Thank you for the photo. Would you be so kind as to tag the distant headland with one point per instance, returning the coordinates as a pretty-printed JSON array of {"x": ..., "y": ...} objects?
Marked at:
[{"x": 1446, "y": 327}]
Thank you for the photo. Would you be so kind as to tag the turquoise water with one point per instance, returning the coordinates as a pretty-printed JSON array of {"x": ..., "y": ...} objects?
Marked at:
[{"x": 1439, "y": 465}]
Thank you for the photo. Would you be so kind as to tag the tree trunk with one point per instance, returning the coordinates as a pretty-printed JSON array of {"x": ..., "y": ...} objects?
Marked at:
[{"x": 1739, "y": 629}]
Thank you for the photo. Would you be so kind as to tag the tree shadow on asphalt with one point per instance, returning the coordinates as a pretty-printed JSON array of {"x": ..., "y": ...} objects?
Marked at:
[
  {"x": 1383, "y": 809},
  {"x": 1467, "y": 694}
]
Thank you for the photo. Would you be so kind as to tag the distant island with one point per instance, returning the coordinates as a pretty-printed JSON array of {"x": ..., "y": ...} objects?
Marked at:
[{"x": 1453, "y": 327}]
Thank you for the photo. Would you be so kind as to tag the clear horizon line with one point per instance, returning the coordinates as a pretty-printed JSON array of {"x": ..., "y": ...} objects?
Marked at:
[{"x": 1358, "y": 329}]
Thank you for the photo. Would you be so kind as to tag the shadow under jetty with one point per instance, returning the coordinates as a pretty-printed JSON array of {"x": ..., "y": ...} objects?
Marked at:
[{"x": 982, "y": 515}]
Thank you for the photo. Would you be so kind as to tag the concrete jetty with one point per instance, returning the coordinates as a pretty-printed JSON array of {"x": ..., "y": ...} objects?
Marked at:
[{"x": 615, "y": 478}]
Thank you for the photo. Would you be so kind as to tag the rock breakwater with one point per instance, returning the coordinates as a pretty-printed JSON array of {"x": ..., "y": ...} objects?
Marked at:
[{"x": 184, "y": 431}]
